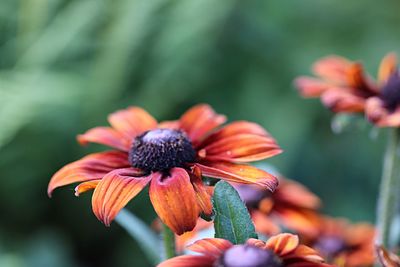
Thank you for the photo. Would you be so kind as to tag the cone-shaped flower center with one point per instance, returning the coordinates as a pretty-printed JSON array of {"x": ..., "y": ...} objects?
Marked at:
[
  {"x": 248, "y": 256},
  {"x": 391, "y": 92},
  {"x": 161, "y": 150},
  {"x": 330, "y": 245}
]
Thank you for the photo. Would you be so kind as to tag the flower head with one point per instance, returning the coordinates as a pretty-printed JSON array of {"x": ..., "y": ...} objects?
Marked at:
[
  {"x": 279, "y": 251},
  {"x": 171, "y": 156},
  {"x": 342, "y": 84},
  {"x": 345, "y": 244},
  {"x": 291, "y": 205}
]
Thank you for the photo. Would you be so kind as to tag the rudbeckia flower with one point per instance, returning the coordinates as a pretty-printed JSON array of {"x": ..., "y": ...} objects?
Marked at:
[
  {"x": 341, "y": 84},
  {"x": 292, "y": 205},
  {"x": 279, "y": 251},
  {"x": 345, "y": 244},
  {"x": 171, "y": 157}
]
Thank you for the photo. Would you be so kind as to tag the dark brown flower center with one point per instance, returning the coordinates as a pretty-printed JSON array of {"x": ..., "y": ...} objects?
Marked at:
[
  {"x": 330, "y": 246},
  {"x": 391, "y": 92},
  {"x": 248, "y": 256},
  {"x": 161, "y": 150}
]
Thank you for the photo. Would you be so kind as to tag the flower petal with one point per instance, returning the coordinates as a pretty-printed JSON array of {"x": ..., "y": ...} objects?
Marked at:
[
  {"x": 233, "y": 129},
  {"x": 105, "y": 136},
  {"x": 293, "y": 193},
  {"x": 359, "y": 80},
  {"x": 387, "y": 68},
  {"x": 202, "y": 194},
  {"x": 212, "y": 247},
  {"x": 114, "y": 191},
  {"x": 174, "y": 200},
  {"x": 379, "y": 115},
  {"x": 93, "y": 166},
  {"x": 333, "y": 69},
  {"x": 282, "y": 244},
  {"x": 387, "y": 258},
  {"x": 199, "y": 120},
  {"x": 343, "y": 100},
  {"x": 264, "y": 224},
  {"x": 132, "y": 121},
  {"x": 302, "y": 221},
  {"x": 188, "y": 261},
  {"x": 311, "y": 87},
  {"x": 241, "y": 148},
  {"x": 86, "y": 186},
  {"x": 304, "y": 256},
  {"x": 236, "y": 173}
]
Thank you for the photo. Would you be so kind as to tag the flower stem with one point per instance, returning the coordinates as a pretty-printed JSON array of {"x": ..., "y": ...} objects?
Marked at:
[
  {"x": 139, "y": 231},
  {"x": 389, "y": 192},
  {"x": 169, "y": 242}
]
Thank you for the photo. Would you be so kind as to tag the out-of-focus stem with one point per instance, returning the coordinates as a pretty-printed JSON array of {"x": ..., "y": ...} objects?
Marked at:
[
  {"x": 388, "y": 201},
  {"x": 169, "y": 242}
]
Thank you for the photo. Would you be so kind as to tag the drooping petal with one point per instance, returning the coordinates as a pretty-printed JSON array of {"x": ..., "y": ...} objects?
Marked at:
[
  {"x": 302, "y": 221},
  {"x": 86, "y": 186},
  {"x": 387, "y": 258},
  {"x": 293, "y": 193},
  {"x": 132, "y": 121},
  {"x": 387, "y": 68},
  {"x": 343, "y": 100},
  {"x": 378, "y": 114},
  {"x": 333, "y": 69},
  {"x": 174, "y": 200},
  {"x": 238, "y": 173},
  {"x": 212, "y": 247},
  {"x": 115, "y": 190},
  {"x": 188, "y": 261},
  {"x": 303, "y": 254},
  {"x": 199, "y": 120},
  {"x": 282, "y": 244},
  {"x": 240, "y": 148},
  {"x": 202, "y": 194},
  {"x": 361, "y": 81},
  {"x": 233, "y": 129},
  {"x": 311, "y": 87},
  {"x": 264, "y": 224},
  {"x": 93, "y": 166},
  {"x": 105, "y": 136}
]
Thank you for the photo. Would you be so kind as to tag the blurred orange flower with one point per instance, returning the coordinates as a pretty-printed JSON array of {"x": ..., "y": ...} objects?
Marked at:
[
  {"x": 279, "y": 251},
  {"x": 341, "y": 84},
  {"x": 291, "y": 205},
  {"x": 345, "y": 244},
  {"x": 170, "y": 156}
]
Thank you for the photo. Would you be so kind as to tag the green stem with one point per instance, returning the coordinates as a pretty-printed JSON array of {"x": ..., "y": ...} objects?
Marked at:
[
  {"x": 139, "y": 231},
  {"x": 389, "y": 192},
  {"x": 169, "y": 242}
]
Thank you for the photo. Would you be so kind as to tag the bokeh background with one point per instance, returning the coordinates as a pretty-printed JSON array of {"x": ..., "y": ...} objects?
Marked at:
[{"x": 65, "y": 65}]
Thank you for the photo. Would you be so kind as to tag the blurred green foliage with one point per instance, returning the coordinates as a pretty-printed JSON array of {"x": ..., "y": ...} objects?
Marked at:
[{"x": 64, "y": 65}]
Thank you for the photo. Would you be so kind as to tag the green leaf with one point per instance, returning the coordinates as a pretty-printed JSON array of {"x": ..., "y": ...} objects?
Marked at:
[{"x": 232, "y": 220}]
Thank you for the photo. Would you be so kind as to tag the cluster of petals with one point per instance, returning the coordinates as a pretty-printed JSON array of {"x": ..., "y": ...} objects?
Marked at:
[
  {"x": 344, "y": 244},
  {"x": 292, "y": 205},
  {"x": 178, "y": 194},
  {"x": 343, "y": 86},
  {"x": 285, "y": 248}
]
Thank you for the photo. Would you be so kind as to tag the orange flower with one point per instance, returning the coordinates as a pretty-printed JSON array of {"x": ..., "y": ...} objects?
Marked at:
[
  {"x": 387, "y": 258},
  {"x": 344, "y": 244},
  {"x": 291, "y": 205},
  {"x": 171, "y": 157},
  {"x": 279, "y": 251},
  {"x": 341, "y": 84}
]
